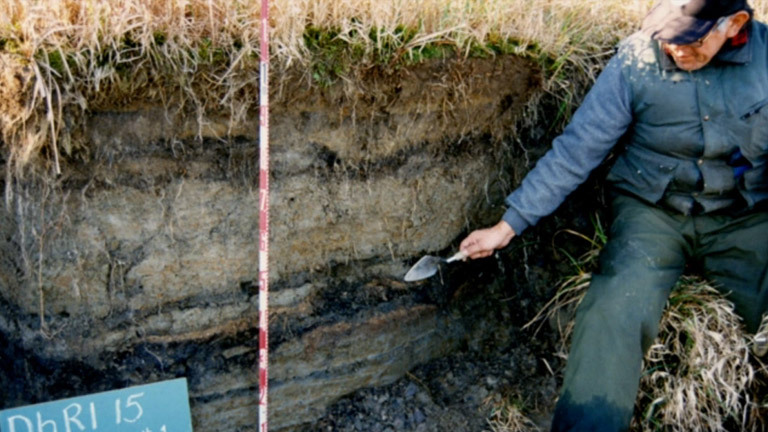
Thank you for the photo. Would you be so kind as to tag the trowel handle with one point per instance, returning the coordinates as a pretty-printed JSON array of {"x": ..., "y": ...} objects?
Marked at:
[{"x": 458, "y": 257}]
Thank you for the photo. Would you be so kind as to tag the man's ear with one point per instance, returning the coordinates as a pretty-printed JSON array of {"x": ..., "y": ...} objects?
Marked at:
[{"x": 737, "y": 21}]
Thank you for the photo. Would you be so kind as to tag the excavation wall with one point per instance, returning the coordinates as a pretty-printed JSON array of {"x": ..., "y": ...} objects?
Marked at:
[{"x": 139, "y": 262}]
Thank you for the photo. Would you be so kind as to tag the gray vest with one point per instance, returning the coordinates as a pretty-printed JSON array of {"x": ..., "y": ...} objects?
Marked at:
[{"x": 699, "y": 141}]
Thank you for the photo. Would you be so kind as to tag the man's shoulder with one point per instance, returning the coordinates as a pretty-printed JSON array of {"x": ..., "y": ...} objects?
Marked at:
[
  {"x": 759, "y": 30},
  {"x": 638, "y": 50},
  {"x": 636, "y": 42}
]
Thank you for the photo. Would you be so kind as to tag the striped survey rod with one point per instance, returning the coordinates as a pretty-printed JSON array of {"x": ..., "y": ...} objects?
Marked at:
[{"x": 264, "y": 217}]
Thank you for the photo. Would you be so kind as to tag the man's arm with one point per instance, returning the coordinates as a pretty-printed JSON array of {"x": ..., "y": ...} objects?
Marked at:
[{"x": 598, "y": 124}]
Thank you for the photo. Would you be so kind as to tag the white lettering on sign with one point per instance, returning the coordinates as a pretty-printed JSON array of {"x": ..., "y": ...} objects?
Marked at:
[
  {"x": 12, "y": 423},
  {"x": 130, "y": 404},
  {"x": 70, "y": 416},
  {"x": 162, "y": 429},
  {"x": 94, "y": 425},
  {"x": 68, "y": 420},
  {"x": 140, "y": 409},
  {"x": 41, "y": 424}
]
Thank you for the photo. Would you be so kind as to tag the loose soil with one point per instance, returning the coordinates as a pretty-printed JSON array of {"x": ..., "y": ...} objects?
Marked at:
[
  {"x": 455, "y": 393},
  {"x": 499, "y": 364}
]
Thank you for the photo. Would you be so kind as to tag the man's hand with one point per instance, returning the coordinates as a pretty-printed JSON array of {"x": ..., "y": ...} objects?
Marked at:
[{"x": 481, "y": 243}]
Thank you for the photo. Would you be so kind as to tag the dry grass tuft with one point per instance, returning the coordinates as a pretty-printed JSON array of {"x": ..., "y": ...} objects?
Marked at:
[
  {"x": 196, "y": 56},
  {"x": 201, "y": 56},
  {"x": 699, "y": 374},
  {"x": 508, "y": 416}
]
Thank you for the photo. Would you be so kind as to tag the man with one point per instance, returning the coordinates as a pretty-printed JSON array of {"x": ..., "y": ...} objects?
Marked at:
[{"x": 689, "y": 187}]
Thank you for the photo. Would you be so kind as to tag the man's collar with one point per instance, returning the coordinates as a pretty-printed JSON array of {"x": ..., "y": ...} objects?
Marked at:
[{"x": 737, "y": 50}]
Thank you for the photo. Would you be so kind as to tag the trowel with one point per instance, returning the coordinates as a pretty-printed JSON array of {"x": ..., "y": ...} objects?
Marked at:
[{"x": 428, "y": 265}]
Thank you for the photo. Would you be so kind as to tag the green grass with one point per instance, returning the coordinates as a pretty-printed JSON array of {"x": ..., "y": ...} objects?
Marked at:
[{"x": 333, "y": 55}]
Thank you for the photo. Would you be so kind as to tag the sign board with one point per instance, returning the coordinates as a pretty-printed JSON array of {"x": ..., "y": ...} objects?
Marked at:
[{"x": 158, "y": 407}]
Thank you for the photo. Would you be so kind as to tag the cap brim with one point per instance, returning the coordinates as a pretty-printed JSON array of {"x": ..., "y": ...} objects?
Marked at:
[
  {"x": 665, "y": 24},
  {"x": 683, "y": 30}
]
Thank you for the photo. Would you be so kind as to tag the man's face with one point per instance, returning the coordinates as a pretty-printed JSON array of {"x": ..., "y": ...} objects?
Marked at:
[{"x": 698, "y": 54}]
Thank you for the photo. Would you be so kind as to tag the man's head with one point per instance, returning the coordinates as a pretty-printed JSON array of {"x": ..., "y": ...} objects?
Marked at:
[{"x": 693, "y": 31}]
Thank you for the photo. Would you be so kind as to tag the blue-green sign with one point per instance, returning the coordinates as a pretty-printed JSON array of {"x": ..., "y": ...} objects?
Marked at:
[{"x": 158, "y": 407}]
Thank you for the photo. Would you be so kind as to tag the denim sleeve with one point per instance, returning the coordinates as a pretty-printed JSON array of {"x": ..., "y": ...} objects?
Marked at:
[{"x": 596, "y": 127}]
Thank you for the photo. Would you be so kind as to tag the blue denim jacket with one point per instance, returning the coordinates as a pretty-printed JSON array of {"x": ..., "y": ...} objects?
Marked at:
[{"x": 693, "y": 139}]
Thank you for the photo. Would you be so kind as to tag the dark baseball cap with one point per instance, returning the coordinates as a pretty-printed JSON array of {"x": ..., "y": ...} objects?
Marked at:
[{"x": 685, "y": 21}]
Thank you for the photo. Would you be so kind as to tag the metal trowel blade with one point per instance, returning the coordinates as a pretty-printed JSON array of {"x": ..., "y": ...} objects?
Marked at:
[{"x": 424, "y": 268}]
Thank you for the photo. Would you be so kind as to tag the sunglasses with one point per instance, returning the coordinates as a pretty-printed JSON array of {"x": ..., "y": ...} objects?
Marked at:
[{"x": 720, "y": 25}]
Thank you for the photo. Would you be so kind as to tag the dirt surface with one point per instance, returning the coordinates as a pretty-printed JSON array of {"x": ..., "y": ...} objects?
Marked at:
[
  {"x": 455, "y": 393},
  {"x": 499, "y": 364},
  {"x": 147, "y": 260}
]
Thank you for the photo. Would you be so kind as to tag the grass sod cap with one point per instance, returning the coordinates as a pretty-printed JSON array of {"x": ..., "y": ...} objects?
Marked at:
[{"x": 682, "y": 22}]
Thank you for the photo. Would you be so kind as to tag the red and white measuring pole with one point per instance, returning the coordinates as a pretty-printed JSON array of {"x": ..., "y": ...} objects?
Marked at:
[{"x": 264, "y": 217}]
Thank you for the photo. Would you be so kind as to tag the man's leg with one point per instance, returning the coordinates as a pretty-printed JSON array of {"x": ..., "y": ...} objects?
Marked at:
[
  {"x": 619, "y": 317},
  {"x": 735, "y": 257}
]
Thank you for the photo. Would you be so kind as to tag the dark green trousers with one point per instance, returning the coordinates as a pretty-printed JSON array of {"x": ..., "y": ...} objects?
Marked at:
[{"x": 647, "y": 251}]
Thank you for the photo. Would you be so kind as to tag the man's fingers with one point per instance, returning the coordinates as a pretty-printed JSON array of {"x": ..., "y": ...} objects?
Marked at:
[
  {"x": 481, "y": 254},
  {"x": 474, "y": 247},
  {"x": 471, "y": 245},
  {"x": 482, "y": 243},
  {"x": 477, "y": 245}
]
